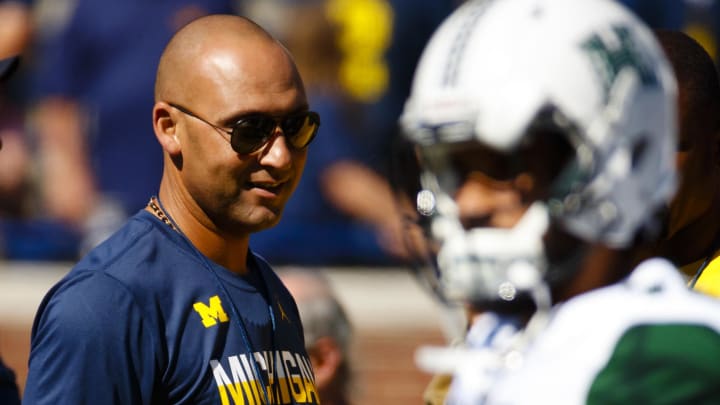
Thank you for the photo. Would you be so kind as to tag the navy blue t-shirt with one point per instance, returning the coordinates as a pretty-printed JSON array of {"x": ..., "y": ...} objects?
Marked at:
[{"x": 144, "y": 318}]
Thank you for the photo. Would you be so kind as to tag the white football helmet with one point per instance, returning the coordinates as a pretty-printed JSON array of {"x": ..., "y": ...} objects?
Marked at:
[{"x": 496, "y": 68}]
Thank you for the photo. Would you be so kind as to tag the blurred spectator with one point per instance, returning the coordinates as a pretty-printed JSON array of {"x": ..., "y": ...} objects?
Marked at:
[
  {"x": 91, "y": 84},
  {"x": 23, "y": 233},
  {"x": 15, "y": 163},
  {"x": 327, "y": 332},
  {"x": 357, "y": 59},
  {"x": 9, "y": 393},
  {"x": 15, "y": 28}
]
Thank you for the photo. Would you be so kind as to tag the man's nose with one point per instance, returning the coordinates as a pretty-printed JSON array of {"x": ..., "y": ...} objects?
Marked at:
[
  {"x": 276, "y": 152},
  {"x": 482, "y": 203}
]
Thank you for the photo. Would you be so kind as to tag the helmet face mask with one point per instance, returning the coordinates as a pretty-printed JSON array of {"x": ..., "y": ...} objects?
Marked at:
[
  {"x": 582, "y": 98},
  {"x": 478, "y": 262}
]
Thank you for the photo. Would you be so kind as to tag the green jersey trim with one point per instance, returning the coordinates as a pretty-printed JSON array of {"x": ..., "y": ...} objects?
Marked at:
[{"x": 661, "y": 364}]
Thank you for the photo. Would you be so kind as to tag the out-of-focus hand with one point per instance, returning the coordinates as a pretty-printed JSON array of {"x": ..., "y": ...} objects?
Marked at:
[
  {"x": 15, "y": 28},
  {"x": 66, "y": 181}
]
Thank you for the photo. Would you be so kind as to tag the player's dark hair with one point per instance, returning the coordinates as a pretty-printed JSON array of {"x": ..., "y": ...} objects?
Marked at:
[{"x": 697, "y": 76}]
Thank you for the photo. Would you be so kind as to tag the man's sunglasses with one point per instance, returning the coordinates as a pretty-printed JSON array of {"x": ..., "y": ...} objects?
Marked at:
[{"x": 252, "y": 132}]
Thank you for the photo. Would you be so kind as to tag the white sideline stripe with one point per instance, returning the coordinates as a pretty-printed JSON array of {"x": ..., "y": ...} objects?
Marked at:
[{"x": 387, "y": 298}]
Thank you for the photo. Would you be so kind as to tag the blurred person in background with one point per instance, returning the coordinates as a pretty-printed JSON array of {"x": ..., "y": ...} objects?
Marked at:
[
  {"x": 691, "y": 233},
  {"x": 357, "y": 58},
  {"x": 90, "y": 79},
  {"x": 19, "y": 236},
  {"x": 327, "y": 331},
  {"x": 14, "y": 167},
  {"x": 26, "y": 231},
  {"x": 545, "y": 156},
  {"x": 9, "y": 393},
  {"x": 16, "y": 27}
]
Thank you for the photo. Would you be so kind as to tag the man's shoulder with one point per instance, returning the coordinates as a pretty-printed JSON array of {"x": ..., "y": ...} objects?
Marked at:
[
  {"x": 137, "y": 268},
  {"x": 136, "y": 257},
  {"x": 138, "y": 245}
]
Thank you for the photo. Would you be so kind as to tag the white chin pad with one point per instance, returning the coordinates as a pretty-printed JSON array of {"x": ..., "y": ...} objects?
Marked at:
[{"x": 484, "y": 263}]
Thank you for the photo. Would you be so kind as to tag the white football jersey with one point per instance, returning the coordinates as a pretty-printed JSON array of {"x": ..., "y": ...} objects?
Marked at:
[{"x": 645, "y": 340}]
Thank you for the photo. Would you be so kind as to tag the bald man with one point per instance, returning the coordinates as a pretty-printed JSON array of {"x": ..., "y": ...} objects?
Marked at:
[
  {"x": 175, "y": 308},
  {"x": 8, "y": 387},
  {"x": 328, "y": 333}
]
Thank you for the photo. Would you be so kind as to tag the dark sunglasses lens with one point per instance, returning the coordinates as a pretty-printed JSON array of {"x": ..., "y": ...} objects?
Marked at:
[
  {"x": 301, "y": 129},
  {"x": 251, "y": 133}
]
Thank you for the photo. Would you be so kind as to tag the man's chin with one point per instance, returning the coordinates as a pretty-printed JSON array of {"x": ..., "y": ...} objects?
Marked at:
[
  {"x": 264, "y": 218},
  {"x": 267, "y": 224}
]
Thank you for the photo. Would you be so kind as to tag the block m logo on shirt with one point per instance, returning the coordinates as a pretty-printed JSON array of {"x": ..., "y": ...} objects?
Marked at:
[{"x": 212, "y": 313}]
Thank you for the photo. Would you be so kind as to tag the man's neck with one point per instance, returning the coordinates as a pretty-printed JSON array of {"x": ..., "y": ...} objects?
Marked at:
[{"x": 229, "y": 251}]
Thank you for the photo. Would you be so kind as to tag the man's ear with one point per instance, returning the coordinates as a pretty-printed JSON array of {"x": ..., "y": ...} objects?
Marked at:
[
  {"x": 166, "y": 128},
  {"x": 327, "y": 358}
]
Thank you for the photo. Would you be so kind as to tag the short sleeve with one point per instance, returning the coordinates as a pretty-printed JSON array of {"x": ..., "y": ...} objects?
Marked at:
[{"x": 90, "y": 345}]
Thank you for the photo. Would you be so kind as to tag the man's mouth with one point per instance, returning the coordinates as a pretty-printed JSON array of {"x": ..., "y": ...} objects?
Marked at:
[{"x": 269, "y": 187}]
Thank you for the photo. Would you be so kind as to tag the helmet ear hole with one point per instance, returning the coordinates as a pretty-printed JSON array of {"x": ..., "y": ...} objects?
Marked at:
[
  {"x": 638, "y": 152},
  {"x": 565, "y": 156}
]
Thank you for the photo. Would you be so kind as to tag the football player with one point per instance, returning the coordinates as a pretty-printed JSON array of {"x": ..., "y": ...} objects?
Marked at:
[{"x": 545, "y": 132}]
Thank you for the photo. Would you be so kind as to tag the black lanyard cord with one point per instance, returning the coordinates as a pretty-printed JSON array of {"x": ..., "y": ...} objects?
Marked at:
[{"x": 227, "y": 296}]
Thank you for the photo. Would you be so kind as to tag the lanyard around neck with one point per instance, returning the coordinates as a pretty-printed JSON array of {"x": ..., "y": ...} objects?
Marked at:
[{"x": 163, "y": 215}]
